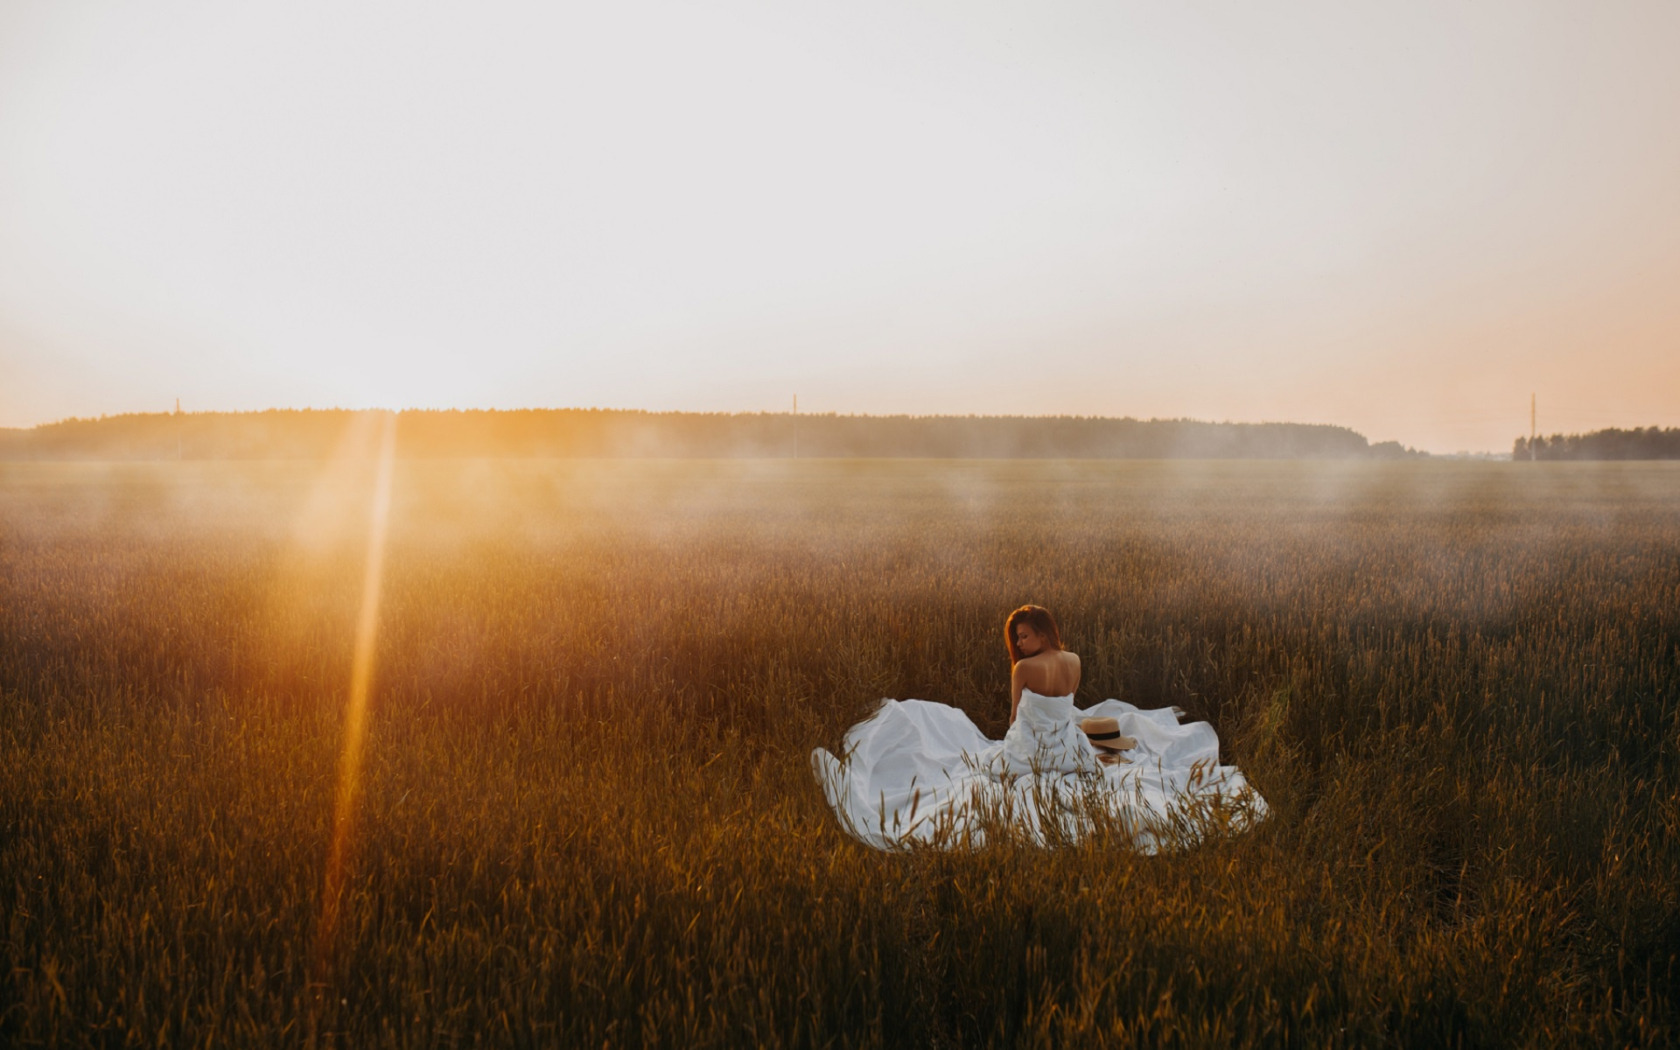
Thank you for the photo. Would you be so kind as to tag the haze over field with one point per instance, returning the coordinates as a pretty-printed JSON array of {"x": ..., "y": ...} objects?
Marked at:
[
  {"x": 517, "y": 752},
  {"x": 1401, "y": 221}
]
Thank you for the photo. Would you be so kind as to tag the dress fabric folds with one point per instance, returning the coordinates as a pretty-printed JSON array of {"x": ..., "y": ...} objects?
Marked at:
[{"x": 917, "y": 773}]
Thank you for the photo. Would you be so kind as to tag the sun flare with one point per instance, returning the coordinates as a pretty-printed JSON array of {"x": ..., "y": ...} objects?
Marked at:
[{"x": 361, "y": 681}]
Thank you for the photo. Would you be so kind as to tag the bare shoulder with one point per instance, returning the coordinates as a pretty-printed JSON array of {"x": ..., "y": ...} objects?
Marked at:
[
  {"x": 1033, "y": 672},
  {"x": 1071, "y": 671}
]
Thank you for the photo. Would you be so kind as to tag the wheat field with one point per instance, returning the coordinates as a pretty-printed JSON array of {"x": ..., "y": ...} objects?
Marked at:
[{"x": 581, "y": 811}]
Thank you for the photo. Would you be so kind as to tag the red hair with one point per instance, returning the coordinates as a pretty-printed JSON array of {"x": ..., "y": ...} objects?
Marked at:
[{"x": 1039, "y": 619}]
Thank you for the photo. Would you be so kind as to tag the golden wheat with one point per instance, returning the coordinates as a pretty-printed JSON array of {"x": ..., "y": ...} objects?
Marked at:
[{"x": 586, "y": 815}]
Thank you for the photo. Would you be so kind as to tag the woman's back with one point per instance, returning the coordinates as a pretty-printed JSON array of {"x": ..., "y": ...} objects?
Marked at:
[{"x": 1052, "y": 673}]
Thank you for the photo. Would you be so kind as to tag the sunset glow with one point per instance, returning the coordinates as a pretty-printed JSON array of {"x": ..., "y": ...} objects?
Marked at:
[{"x": 1404, "y": 220}]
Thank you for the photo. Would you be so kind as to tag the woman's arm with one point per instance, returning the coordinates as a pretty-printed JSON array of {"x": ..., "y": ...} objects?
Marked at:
[{"x": 1017, "y": 678}]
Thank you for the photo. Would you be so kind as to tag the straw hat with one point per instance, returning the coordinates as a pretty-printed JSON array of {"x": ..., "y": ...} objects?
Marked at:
[{"x": 1104, "y": 734}]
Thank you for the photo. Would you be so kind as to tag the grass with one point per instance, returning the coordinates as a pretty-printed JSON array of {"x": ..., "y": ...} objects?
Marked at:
[{"x": 586, "y": 814}]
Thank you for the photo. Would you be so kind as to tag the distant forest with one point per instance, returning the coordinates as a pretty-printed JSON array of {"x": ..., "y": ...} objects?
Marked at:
[
  {"x": 612, "y": 433},
  {"x": 1638, "y": 443}
]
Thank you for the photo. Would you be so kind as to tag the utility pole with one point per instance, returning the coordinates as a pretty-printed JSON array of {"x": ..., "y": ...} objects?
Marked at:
[{"x": 1531, "y": 418}]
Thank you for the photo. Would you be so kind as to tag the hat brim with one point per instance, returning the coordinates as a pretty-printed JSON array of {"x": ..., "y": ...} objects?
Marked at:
[
  {"x": 1115, "y": 746},
  {"x": 1105, "y": 738}
]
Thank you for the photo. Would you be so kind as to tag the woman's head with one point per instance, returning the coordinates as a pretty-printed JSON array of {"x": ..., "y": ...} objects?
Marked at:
[{"x": 1029, "y": 631}]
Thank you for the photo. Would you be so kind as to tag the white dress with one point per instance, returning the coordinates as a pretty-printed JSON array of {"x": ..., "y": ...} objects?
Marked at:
[{"x": 922, "y": 774}]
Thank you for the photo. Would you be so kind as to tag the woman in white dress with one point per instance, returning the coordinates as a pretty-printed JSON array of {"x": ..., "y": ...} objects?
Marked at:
[
  {"x": 1037, "y": 660},
  {"x": 917, "y": 773},
  {"x": 1044, "y": 734}
]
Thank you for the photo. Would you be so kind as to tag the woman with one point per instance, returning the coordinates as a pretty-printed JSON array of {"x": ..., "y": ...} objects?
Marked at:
[
  {"x": 1044, "y": 732},
  {"x": 917, "y": 773},
  {"x": 1037, "y": 661}
]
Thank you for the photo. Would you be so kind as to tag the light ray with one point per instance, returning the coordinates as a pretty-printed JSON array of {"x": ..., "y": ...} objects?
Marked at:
[{"x": 355, "y": 715}]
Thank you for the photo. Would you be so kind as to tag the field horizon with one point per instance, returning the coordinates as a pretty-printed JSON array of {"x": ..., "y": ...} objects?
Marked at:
[{"x": 641, "y": 434}]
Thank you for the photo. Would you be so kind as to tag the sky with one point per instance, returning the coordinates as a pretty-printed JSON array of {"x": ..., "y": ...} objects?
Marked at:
[{"x": 1402, "y": 218}]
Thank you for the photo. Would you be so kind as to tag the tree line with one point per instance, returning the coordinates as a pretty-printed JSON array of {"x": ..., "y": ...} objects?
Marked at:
[
  {"x": 1638, "y": 443},
  {"x": 614, "y": 433}
]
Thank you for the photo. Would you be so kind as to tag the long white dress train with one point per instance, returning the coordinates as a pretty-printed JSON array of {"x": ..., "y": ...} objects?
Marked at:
[{"x": 922, "y": 774}]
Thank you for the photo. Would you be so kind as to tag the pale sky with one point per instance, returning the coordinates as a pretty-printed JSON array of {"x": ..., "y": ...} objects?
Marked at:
[{"x": 1403, "y": 218}]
